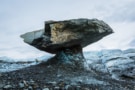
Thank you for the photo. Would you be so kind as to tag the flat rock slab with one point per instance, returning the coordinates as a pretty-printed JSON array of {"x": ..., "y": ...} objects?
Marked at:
[{"x": 63, "y": 34}]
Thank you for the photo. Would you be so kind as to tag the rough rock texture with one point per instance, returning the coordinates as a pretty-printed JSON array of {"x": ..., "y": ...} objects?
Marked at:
[
  {"x": 60, "y": 37},
  {"x": 110, "y": 70},
  {"x": 62, "y": 34}
]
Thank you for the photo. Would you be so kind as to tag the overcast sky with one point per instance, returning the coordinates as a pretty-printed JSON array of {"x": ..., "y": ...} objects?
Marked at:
[{"x": 21, "y": 16}]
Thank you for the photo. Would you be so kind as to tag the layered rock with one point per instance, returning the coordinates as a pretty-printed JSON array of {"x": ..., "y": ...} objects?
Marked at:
[{"x": 67, "y": 38}]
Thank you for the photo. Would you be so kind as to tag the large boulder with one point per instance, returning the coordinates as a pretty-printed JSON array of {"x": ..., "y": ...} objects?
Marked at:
[
  {"x": 62, "y": 34},
  {"x": 68, "y": 37}
]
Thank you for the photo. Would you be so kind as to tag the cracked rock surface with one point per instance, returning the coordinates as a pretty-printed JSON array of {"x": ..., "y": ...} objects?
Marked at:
[{"x": 67, "y": 38}]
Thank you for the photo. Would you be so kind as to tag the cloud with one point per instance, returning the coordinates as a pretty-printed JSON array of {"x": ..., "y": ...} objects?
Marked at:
[
  {"x": 122, "y": 12},
  {"x": 21, "y": 16},
  {"x": 123, "y": 34},
  {"x": 132, "y": 43}
]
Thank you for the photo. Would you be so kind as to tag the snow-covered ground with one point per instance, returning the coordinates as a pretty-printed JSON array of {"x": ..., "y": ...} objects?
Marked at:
[
  {"x": 10, "y": 64},
  {"x": 116, "y": 62}
]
